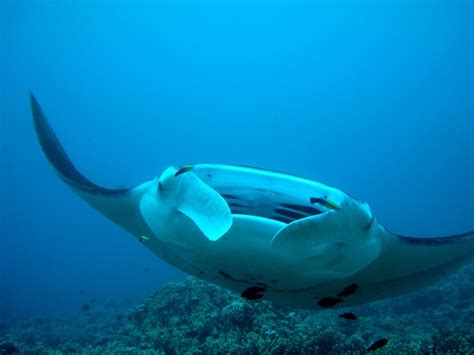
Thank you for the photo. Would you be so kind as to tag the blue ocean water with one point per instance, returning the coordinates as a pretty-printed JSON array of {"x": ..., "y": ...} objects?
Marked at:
[{"x": 375, "y": 98}]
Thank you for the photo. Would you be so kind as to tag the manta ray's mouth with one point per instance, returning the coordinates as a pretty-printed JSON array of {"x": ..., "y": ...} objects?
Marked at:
[
  {"x": 286, "y": 210},
  {"x": 268, "y": 194}
]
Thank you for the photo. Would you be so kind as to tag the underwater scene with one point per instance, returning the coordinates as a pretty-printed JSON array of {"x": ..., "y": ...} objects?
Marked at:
[{"x": 237, "y": 177}]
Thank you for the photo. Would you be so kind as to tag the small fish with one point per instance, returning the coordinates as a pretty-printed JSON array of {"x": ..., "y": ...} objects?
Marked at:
[
  {"x": 146, "y": 269},
  {"x": 327, "y": 302},
  {"x": 350, "y": 316},
  {"x": 119, "y": 317},
  {"x": 86, "y": 307},
  {"x": 349, "y": 290},
  {"x": 143, "y": 239},
  {"x": 325, "y": 202},
  {"x": 81, "y": 292},
  {"x": 378, "y": 344},
  {"x": 253, "y": 293},
  {"x": 92, "y": 300}
]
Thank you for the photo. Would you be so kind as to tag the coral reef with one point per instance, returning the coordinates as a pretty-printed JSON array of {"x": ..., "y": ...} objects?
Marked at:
[{"x": 194, "y": 317}]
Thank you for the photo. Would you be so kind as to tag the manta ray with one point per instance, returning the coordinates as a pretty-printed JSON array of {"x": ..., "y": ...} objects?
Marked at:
[{"x": 265, "y": 234}]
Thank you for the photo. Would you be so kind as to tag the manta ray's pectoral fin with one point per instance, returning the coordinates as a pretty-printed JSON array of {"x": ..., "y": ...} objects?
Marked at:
[
  {"x": 120, "y": 205},
  {"x": 414, "y": 262},
  {"x": 334, "y": 244},
  {"x": 410, "y": 263}
]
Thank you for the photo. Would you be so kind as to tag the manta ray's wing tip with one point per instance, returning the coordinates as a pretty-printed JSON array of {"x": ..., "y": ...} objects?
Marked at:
[
  {"x": 57, "y": 156},
  {"x": 35, "y": 106}
]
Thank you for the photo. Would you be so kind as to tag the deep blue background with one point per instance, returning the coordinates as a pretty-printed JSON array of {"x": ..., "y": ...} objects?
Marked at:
[{"x": 375, "y": 98}]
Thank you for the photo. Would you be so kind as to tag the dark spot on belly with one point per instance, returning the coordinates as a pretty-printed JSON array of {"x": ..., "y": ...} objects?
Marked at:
[
  {"x": 274, "y": 281},
  {"x": 253, "y": 293},
  {"x": 349, "y": 290},
  {"x": 226, "y": 275},
  {"x": 328, "y": 302}
]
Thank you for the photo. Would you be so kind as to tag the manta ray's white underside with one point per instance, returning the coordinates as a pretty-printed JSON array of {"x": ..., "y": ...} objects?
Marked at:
[{"x": 265, "y": 234}]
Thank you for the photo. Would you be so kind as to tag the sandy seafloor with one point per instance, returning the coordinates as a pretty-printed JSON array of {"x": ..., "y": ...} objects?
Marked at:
[{"x": 195, "y": 317}]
